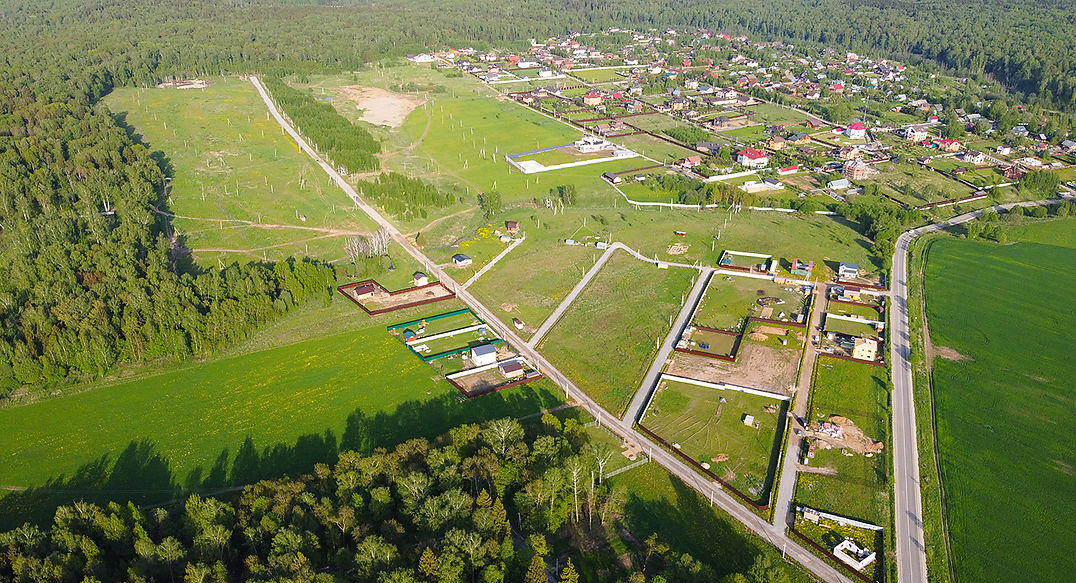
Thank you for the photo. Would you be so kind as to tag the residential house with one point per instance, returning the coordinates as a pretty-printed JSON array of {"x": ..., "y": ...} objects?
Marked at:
[
  {"x": 691, "y": 162},
  {"x": 711, "y": 147},
  {"x": 511, "y": 226},
  {"x": 483, "y": 354},
  {"x": 847, "y": 270},
  {"x": 856, "y": 131},
  {"x": 798, "y": 139},
  {"x": 752, "y": 158},
  {"x": 839, "y": 184},
  {"x": 364, "y": 291},
  {"x": 775, "y": 142},
  {"x": 858, "y": 170},
  {"x": 511, "y": 369},
  {"x": 1004, "y": 150},
  {"x": 592, "y": 98},
  {"x": 948, "y": 145},
  {"x": 973, "y": 157},
  {"x": 1014, "y": 172},
  {"x": 865, "y": 349},
  {"x": 788, "y": 170}
]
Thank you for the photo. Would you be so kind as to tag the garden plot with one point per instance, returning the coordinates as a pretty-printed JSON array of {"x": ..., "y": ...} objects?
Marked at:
[
  {"x": 730, "y": 300},
  {"x": 759, "y": 363},
  {"x": 372, "y": 297},
  {"x": 847, "y": 422},
  {"x": 734, "y": 435}
]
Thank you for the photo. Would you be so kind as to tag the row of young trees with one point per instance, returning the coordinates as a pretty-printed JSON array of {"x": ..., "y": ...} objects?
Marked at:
[
  {"x": 488, "y": 503},
  {"x": 349, "y": 146},
  {"x": 404, "y": 196}
]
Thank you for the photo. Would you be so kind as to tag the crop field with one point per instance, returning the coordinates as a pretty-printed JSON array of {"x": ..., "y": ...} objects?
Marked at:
[
  {"x": 241, "y": 190},
  {"x": 729, "y": 300},
  {"x": 1004, "y": 406},
  {"x": 860, "y": 487},
  {"x": 606, "y": 340},
  {"x": 708, "y": 425},
  {"x": 316, "y": 382}
]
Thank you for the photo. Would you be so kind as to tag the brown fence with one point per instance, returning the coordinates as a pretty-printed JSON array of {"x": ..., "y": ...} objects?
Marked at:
[
  {"x": 342, "y": 288},
  {"x": 491, "y": 390},
  {"x": 866, "y": 285},
  {"x": 842, "y": 357},
  {"x": 777, "y": 322}
]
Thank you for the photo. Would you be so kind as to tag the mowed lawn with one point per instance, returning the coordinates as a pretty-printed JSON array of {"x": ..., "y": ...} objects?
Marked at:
[
  {"x": 708, "y": 424},
  {"x": 186, "y": 427},
  {"x": 860, "y": 489},
  {"x": 606, "y": 340},
  {"x": 230, "y": 164},
  {"x": 1006, "y": 415}
]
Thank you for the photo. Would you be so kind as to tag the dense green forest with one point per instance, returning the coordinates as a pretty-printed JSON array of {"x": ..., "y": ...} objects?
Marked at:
[{"x": 490, "y": 503}]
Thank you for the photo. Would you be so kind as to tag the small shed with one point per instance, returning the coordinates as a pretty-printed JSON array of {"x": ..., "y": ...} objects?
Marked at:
[
  {"x": 420, "y": 279},
  {"x": 749, "y": 420},
  {"x": 511, "y": 369},
  {"x": 364, "y": 291},
  {"x": 512, "y": 226},
  {"x": 461, "y": 260},
  {"x": 409, "y": 335},
  {"x": 612, "y": 178},
  {"x": 484, "y": 354}
]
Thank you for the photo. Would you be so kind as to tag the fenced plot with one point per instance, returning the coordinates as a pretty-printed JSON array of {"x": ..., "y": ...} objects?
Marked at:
[
  {"x": 734, "y": 435},
  {"x": 730, "y": 300},
  {"x": 375, "y": 299},
  {"x": 860, "y": 329},
  {"x": 709, "y": 342}
]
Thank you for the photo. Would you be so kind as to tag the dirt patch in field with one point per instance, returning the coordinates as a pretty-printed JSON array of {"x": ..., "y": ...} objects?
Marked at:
[
  {"x": 185, "y": 84},
  {"x": 949, "y": 354},
  {"x": 380, "y": 107},
  {"x": 851, "y": 436},
  {"x": 757, "y": 366}
]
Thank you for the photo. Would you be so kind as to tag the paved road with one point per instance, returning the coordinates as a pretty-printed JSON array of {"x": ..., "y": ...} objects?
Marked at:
[
  {"x": 911, "y": 549},
  {"x": 573, "y": 393},
  {"x": 786, "y": 486},
  {"x": 650, "y": 381}
]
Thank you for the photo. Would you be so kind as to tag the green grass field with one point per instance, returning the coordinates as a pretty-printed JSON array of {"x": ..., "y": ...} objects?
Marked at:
[
  {"x": 748, "y": 134},
  {"x": 925, "y": 186},
  {"x": 707, "y": 423},
  {"x": 1005, "y": 415},
  {"x": 239, "y": 187},
  {"x": 318, "y": 381},
  {"x": 599, "y": 75},
  {"x": 861, "y": 329},
  {"x": 771, "y": 114},
  {"x": 606, "y": 340},
  {"x": 728, "y": 300},
  {"x": 860, "y": 489}
]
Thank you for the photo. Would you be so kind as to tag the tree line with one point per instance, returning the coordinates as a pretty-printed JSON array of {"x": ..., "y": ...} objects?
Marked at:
[
  {"x": 404, "y": 196},
  {"x": 485, "y": 503},
  {"x": 351, "y": 147}
]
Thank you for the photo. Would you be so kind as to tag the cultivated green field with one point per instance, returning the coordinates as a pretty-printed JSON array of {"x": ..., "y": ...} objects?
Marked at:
[
  {"x": 1005, "y": 413},
  {"x": 606, "y": 340},
  {"x": 240, "y": 188},
  {"x": 860, "y": 488},
  {"x": 319, "y": 381},
  {"x": 708, "y": 423}
]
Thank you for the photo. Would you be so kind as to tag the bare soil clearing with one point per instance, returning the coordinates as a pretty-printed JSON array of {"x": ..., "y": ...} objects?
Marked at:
[
  {"x": 186, "y": 84},
  {"x": 757, "y": 366},
  {"x": 381, "y": 107}
]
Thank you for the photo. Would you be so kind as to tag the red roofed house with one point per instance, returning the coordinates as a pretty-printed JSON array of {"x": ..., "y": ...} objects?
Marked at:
[
  {"x": 752, "y": 158},
  {"x": 691, "y": 161},
  {"x": 788, "y": 170},
  {"x": 836, "y": 88},
  {"x": 513, "y": 59},
  {"x": 856, "y": 131},
  {"x": 948, "y": 145},
  {"x": 592, "y": 98},
  {"x": 512, "y": 226}
]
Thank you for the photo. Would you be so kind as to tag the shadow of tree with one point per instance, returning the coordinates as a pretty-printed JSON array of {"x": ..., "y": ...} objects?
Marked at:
[{"x": 142, "y": 475}]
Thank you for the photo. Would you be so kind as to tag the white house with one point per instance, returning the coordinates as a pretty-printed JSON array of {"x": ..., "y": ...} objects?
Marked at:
[
  {"x": 839, "y": 184},
  {"x": 856, "y": 131},
  {"x": 847, "y": 270},
  {"x": 752, "y": 158},
  {"x": 420, "y": 279},
  {"x": 461, "y": 260},
  {"x": 483, "y": 354}
]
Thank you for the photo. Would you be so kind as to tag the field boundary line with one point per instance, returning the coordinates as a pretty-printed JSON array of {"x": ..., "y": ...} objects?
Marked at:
[{"x": 493, "y": 262}]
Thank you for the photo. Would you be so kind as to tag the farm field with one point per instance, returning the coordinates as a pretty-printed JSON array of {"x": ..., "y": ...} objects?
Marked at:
[
  {"x": 239, "y": 188},
  {"x": 319, "y": 381},
  {"x": 860, "y": 487},
  {"x": 708, "y": 425},
  {"x": 606, "y": 340},
  {"x": 1004, "y": 407},
  {"x": 729, "y": 300}
]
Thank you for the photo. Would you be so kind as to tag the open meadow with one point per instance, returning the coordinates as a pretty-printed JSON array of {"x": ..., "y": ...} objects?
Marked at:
[
  {"x": 1001, "y": 321},
  {"x": 607, "y": 339},
  {"x": 240, "y": 189},
  {"x": 319, "y": 381},
  {"x": 709, "y": 426}
]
